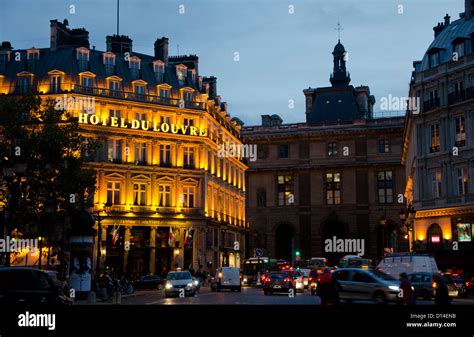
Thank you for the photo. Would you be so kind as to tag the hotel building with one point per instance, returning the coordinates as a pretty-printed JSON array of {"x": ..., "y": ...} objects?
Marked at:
[{"x": 159, "y": 124}]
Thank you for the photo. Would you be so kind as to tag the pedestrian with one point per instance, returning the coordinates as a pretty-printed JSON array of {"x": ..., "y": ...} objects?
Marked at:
[
  {"x": 441, "y": 295},
  {"x": 408, "y": 295},
  {"x": 328, "y": 288}
]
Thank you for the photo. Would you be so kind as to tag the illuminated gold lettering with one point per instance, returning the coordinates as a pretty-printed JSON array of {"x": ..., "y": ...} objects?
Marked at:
[
  {"x": 165, "y": 127},
  {"x": 184, "y": 129},
  {"x": 192, "y": 131},
  {"x": 145, "y": 125},
  {"x": 203, "y": 132},
  {"x": 155, "y": 126},
  {"x": 83, "y": 118},
  {"x": 122, "y": 123},
  {"x": 94, "y": 119},
  {"x": 174, "y": 128},
  {"x": 114, "y": 121},
  {"x": 104, "y": 120},
  {"x": 135, "y": 124}
]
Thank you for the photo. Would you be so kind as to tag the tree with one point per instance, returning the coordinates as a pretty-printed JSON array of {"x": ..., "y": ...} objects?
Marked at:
[{"x": 41, "y": 148}]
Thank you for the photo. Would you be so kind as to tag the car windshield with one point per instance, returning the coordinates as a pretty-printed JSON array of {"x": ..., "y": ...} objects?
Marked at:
[
  {"x": 383, "y": 276},
  {"x": 184, "y": 275}
]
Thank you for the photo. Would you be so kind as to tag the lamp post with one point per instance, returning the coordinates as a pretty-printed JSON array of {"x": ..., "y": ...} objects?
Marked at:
[
  {"x": 107, "y": 208},
  {"x": 49, "y": 210}
]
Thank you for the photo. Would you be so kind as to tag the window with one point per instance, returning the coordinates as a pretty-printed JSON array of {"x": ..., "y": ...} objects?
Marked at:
[
  {"x": 333, "y": 188},
  {"x": 285, "y": 197},
  {"x": 114, "y": 150},
  {"x": 159, "y": 70},
  {"x": 188, "y": 160},
  {"x": 181, "y": 71},
  {"x": 32, "y": 55},
  {"x": 433, "y": 94},
  {"x": 188, "y": 192},
  {"x": 114, "y": 85},
  {"x": 385, "y": 186},
  {"x": 435, "y": 138},
  {"x": 164, "y": 92},
  {"x": 283, "y": 151},
  {"x": 362, "y": 277},
  {"x": 458, "y": 87},
  {"x": 434, "y": 59},
  {"x": 141, "y": 116},
  {"x": 187, "y": 96},
  {"x": 459, "y": 49},
  {"x": 114, "y": 113},
  {"x": 460, "y": 131},
  {"x": 261, "y": 197},
  {"x": 113, "y": 193},
  {"x": 55, "y": 84},
  {"x": 86, "y": 82},
  {"x": 24, "y": 84},
  {"x": 165, "y": 155},
  {"x": 164, "y": 195},
  {"x": 165, "y": 119},
  {"x": 462, "y": 180},
  {"x": 436, "y": 184},
  {"x": 109, "y": 60},
  {"x": 332, "y": 149},
  {"x": 139, "y": 89},
  {"x": 139, "y": 194},
  {"x": 384, "y": 146},
  {"x": 188, "y": 122},
  {"x": 83, "y": 59},
  {"x": 140, "y": 153}
]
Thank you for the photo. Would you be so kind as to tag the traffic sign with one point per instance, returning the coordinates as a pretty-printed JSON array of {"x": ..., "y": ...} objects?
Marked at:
[{"x": 258, "y": 252}]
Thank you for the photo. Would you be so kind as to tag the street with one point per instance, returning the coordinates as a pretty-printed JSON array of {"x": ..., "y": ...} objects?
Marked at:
[{"x": 248, "y": 296}]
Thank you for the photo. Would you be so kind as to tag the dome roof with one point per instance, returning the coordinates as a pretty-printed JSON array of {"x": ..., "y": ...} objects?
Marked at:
[
  {"x": 339, "y": 48},
  {"x": 460, "y": 29}
]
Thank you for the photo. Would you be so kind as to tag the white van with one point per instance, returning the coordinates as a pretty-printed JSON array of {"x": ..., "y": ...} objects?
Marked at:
[
  {"x": 397, "y": 263},
  {"x": 227, "y": 278}
]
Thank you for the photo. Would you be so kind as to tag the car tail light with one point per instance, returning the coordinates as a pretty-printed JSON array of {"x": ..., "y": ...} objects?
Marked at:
[
  {"x": 287, "y": 279},
  {"x": 310, "y": 278}
]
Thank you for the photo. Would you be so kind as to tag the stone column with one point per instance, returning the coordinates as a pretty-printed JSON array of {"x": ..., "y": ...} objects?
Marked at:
[{"x": 153, "y": 250}]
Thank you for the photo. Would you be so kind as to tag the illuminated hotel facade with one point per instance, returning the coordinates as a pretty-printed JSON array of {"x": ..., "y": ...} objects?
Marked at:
[{"x": 159, "y": 125}]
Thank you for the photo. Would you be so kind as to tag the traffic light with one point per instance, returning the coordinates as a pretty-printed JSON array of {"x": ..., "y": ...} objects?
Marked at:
[{"x": 297, "y": 253}]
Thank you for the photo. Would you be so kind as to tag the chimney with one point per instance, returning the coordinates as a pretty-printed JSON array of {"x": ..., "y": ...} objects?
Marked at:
[
  {"x": 212, "y": 81},
  {"x": 61, "y": 35},
  {"x": 438, "y": 29},
  {"x": 447, "y": 20},
  {"x": 468, "y": 9},
  {"x": 161, "y": 50},
  {"x": 119, "y": 44}
]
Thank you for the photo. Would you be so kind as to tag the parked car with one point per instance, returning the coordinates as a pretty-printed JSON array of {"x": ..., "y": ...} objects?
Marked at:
[
  {"x": 425, "y": 286},
  {"x": 177, "y": 280},
  {"x": 150, "y": 282},
  {"x": 21, "y": 285},
  {"x": 227, "y": 278},
  {"x": 360, "y": 284},
  {"x": 278, "y": 282}
]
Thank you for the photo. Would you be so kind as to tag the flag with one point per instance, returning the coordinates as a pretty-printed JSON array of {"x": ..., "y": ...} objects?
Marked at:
[
  {"x": 188, "y": 239},
  {"x": 171, "y": 238},
  {"x": 115, "y": 234}
]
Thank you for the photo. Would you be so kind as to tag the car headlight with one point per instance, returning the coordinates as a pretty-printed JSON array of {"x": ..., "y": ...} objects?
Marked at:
[
  {"x": 168, "y": 285},
  {"x": 189, "y": 285},
  {"x": 196, "y": 282},
  {"x": 245, "y": 279},
  {"x": 394, "y": 288}
]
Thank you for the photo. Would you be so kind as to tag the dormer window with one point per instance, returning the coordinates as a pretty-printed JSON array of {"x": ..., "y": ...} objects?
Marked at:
[
  {"x": 134, "y": 65},
  {"x": 434, "y": 59},
  {"x": 109, "y": 62},
  {"x": 193, "y": 75},
  {"x": 200, "y": 82},
  {"x": 33, "y": 54},
  {"x": 82, "y": 55},
  {"x": 55, "y": 81},
  {"x": 159, "y": 70},
  {"x": 25, "y": 81},
  {"x": 181, "y": 71},
  {"x": 459, "y": 49}
]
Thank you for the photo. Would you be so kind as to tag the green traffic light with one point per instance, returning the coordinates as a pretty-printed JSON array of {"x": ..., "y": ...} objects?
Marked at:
[{"x": 297, "y": 253}]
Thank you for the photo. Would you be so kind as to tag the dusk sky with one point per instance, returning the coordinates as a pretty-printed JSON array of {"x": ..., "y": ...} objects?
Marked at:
[{"x": 280, "y": 53}]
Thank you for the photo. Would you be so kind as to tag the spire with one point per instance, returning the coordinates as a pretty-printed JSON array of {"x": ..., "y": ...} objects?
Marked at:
[{"x": 339, "y": 76}]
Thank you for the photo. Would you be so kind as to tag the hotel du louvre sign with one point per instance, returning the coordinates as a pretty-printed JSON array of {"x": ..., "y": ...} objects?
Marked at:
[{"x": 136, "y": 124}]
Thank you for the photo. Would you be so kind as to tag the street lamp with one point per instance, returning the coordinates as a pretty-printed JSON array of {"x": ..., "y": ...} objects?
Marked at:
[{"x": 107, "y": 208}]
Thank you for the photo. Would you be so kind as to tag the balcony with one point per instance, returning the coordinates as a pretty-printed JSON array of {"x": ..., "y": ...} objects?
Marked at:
[
  {"x": 131, "y": 96},
  {"x": 431, "y": 104},
  {"x": 456, "y": 97}
]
